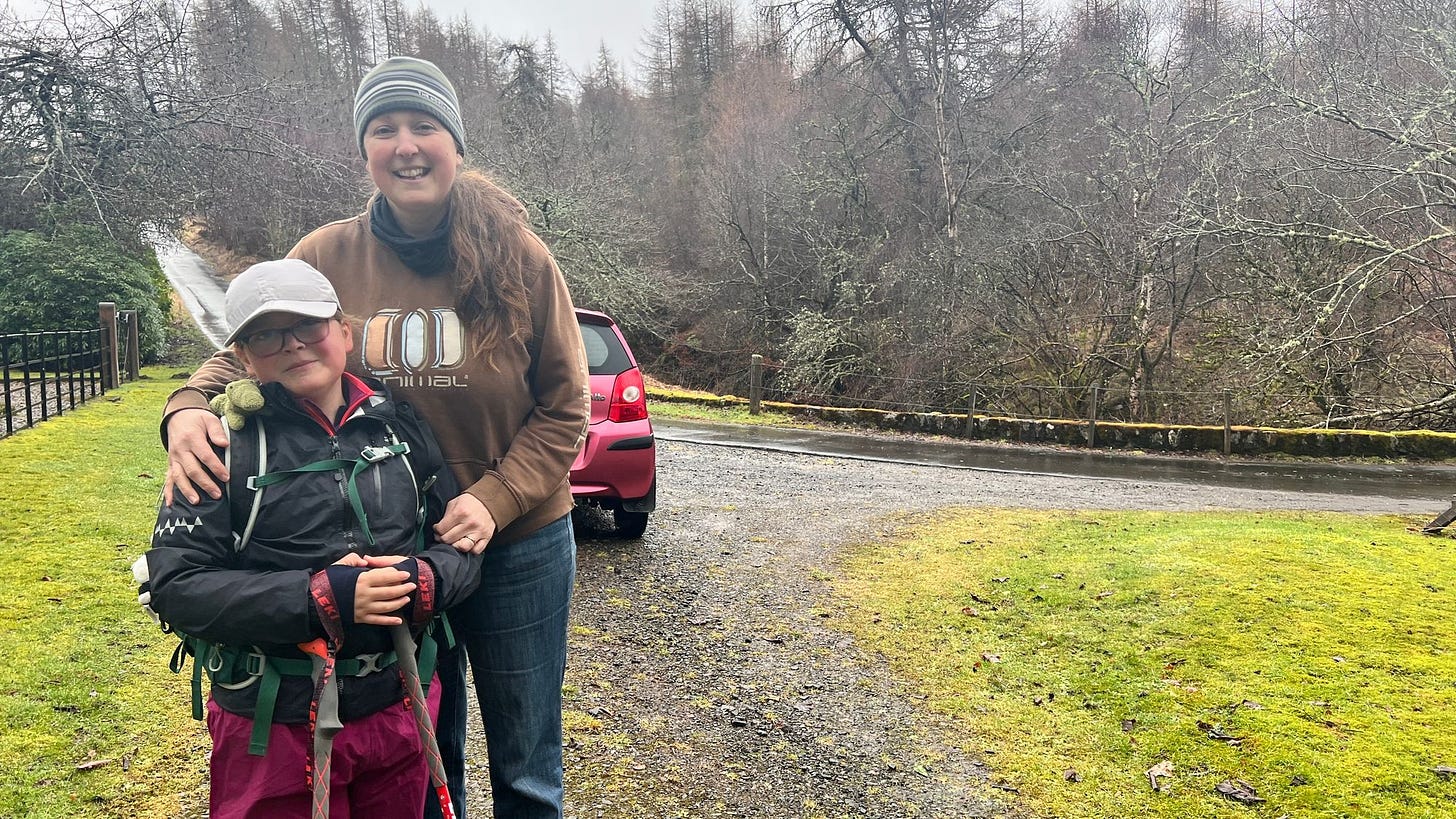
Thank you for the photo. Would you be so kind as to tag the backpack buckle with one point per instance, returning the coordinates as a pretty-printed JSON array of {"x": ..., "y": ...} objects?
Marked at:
[
  {"x": 375, "y": 454},
  {"x": 253, "y": 663},
  {"x": 369, "y": 663}
]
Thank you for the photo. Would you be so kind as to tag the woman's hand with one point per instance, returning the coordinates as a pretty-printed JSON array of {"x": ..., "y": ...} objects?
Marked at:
[
  {"x": 467, "y": 524},
  {"x": 191, "y": 462}
]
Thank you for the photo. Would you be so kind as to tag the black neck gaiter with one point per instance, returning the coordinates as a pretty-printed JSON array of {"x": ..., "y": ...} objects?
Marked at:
[{"x": 426, "y": 255}]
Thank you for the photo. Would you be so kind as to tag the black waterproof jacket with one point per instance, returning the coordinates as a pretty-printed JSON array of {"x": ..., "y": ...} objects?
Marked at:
[{"x": 203, "y": 586}]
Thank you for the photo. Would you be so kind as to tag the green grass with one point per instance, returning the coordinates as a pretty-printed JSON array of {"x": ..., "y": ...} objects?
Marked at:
[
  {"x": 732, "y": 414},
  {"x": 85, "y": 675},
  {"x": 1326, "y": 641}
]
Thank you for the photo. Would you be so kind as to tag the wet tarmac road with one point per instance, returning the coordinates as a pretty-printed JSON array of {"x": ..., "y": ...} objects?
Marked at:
[
  {"x": 197, "y": 284},
  {"x": 1426, "y": 483}
]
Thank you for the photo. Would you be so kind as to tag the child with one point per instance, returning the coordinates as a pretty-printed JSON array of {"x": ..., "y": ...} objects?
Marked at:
[{"x": 325, "y": 548}]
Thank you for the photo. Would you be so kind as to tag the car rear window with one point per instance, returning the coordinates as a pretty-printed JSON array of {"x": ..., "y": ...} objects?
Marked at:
[{"x": 604, "y": 352}]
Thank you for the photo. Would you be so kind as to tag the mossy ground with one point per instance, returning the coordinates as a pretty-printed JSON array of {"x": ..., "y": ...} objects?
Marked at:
[
  {"x": 668, "y": 404},
  {"x": 1096, "y": 642},
  {"x": 85, "y": 675}
]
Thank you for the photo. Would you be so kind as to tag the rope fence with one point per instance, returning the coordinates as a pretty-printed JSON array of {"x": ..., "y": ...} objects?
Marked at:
[{"x": 1093, "y": 403}]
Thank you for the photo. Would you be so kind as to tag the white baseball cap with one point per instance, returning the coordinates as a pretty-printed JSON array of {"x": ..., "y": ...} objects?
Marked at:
[{"x": 283, "y": 286}]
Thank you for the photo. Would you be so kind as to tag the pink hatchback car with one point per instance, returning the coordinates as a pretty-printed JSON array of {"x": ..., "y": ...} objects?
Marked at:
[{"x": 616, "y": 469}]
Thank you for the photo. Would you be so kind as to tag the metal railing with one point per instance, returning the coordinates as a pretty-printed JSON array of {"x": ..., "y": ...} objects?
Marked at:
[{"x": 47, "y": 372}]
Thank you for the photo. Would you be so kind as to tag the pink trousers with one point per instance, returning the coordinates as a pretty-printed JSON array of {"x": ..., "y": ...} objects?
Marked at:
[{"x": 378, "y": 768}]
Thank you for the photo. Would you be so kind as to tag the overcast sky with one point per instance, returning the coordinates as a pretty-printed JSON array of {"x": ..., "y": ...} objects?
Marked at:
[{"x": 579, "y": 26}]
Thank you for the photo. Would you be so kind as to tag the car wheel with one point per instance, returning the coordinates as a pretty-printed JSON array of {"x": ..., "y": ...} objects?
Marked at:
[{"x": 630, "y": 524}]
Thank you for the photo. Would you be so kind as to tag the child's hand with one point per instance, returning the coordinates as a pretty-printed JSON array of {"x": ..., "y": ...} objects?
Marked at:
[
  {"x": 376, "y": 561},
  {"x": 378, "y": 592}
]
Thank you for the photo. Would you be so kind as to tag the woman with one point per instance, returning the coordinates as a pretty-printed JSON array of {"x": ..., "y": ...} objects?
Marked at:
[{"x": 467, "y": 318}]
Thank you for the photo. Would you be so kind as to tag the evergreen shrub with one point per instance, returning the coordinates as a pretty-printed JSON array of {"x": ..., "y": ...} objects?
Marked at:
[{"x": 55, "y": 280}]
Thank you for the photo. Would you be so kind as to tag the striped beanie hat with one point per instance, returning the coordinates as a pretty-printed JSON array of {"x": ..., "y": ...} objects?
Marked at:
[{"x": 408, "y": 84}]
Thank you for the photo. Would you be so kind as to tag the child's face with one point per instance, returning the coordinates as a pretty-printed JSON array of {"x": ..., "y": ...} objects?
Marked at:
[{"x": 306, "y": 369}]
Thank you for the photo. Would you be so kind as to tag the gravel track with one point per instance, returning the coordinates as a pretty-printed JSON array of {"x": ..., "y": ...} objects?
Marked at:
[{"x": 702, "y": 680}]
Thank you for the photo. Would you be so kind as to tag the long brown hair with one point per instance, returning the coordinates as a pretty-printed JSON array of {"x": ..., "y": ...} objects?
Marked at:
[{"x": 492, "y": 246}]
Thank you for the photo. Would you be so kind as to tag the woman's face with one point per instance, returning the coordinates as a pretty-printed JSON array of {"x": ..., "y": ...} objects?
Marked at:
[{"x": 413, "y": 162}]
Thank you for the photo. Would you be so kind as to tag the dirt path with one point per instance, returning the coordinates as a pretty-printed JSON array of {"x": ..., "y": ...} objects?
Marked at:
[{"x": 701, "y": 658}]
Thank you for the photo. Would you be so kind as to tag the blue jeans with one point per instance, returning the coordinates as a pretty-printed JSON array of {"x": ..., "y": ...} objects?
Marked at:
[{"x": 514, "y": 628}]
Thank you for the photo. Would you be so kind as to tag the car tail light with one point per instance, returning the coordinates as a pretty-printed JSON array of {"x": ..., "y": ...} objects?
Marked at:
[{"x": 629, "y": 397}]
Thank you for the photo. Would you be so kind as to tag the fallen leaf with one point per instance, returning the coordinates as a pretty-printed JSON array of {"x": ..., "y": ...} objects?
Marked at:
[
  {"x": 999, "y": 579},
  {"x": 92, "y": 764},
  {"x": 1059, "y": 576},
  {"x": 1445, "y": 771},
  {"x": 1297, "y": 781},
  {"x": 45, "y": 578},
  {"x": 146, "y": 475},
  {"x": 990, "y": 658},
  {"x": 1217, "y": 733},
  {"x": 970, "y": 612},
  {"x": 1128, "y": 725},
  {"x": 1337, "y": 658},
  {"x": 1251, "y": 705},
  {"x": 1104, "y": 595},
  {"x": 1071, "y": 775},
  {"x": 1161, "y": 770},
  {"x": 1002, "y": 786},
  {"x": 1239, "y": 791}
]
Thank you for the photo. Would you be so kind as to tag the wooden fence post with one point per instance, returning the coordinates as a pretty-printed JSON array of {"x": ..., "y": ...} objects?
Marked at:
[
  {"x": 755, "y": 383},
  {"x": 133, "y": 345},
  {"x": 1228, "y": 432},
  {"x": 110, "y": 369},
  {"x": 1092, "y": 414},
  {"x": 971, "y": 413}
]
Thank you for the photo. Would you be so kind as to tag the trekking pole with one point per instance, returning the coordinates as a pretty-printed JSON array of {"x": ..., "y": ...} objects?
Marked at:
[
  {"x": 326, "y": 723},
  {"x": 404, "y": 649}
]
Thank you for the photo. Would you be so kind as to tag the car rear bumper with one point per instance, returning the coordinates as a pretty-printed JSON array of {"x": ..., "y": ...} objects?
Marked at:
[{"x": 617, "y": 461}]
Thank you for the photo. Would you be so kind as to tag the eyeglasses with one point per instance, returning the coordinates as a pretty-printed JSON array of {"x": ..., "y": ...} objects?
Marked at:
[{"x": 269, "y": 342}]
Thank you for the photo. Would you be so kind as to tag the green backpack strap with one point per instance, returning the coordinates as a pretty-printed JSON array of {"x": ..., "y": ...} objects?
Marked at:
[
  {"x": 188, "y": 646},
  {"x": 429, "y": 654}
]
